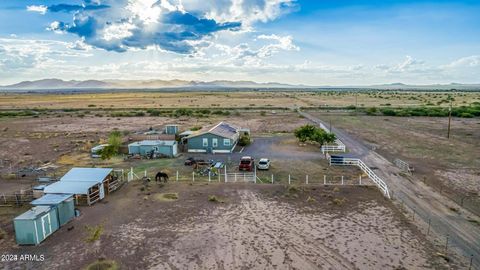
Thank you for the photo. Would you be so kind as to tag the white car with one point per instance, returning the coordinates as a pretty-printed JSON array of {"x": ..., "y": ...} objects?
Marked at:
[{"x": 263, "y": 164}]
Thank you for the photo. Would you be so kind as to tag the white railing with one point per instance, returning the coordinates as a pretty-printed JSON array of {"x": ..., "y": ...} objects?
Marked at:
[
  {"x": 358, "y": 162},
  {"x": 339, "y": 147}
]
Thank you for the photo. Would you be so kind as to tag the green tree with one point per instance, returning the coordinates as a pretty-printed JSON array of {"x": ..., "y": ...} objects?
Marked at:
[
  {"x": 114, "y": 143},
  {"x": 305, "y": 133},
  {"x": 314, "y": 134},
  {"x": 322, "y": 137}
]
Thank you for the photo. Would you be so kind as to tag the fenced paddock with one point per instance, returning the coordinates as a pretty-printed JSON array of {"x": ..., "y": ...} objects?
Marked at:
[{"x": 254, "y": 178}]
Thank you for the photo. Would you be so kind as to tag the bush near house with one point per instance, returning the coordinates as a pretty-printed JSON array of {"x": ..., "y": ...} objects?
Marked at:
[{"x": 244, "y": 140}]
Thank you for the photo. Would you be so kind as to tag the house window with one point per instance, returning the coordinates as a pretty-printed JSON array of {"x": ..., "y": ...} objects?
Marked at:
[
  {"x": 214, "y": 142},
  {"x": 205, "y": 142},
  {"x": 226, "y": 142}
]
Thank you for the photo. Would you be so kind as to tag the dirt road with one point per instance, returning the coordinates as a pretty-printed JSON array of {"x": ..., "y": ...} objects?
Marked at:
[{"x": 419, "y": 198}]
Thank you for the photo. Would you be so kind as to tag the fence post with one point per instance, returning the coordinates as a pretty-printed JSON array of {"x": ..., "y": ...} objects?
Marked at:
[
  {"x": 324, "y": 179},
  {"x": 177, "y": 176},
  {"x": 306, "y": 179},
  {"x": 209, "y": 178},
  {"x": 342, "y": 180},
  {"x": 193, "y": 176},
  {"x": 272, "y": 178},
  {"x": 289, "y": 180},
  {"x": 219, "y": 176},
  {"x": 225, "y": 173},
  {"x": 145, "y": 173}
]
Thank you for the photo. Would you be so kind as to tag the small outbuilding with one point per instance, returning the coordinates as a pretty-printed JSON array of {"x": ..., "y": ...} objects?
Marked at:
[
  {"x": 88, "y": 185},
  {"x": 35, "y": 225},
  {"x": 153, "y": 148},
  {"x": 171, "y": 129},
  {"x": 62, "y": 202}
]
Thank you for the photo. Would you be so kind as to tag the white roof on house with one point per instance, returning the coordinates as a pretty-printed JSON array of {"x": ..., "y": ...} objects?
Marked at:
[
  {"x": 86, "y": 175},
  {"x": 153, "y": 143}
]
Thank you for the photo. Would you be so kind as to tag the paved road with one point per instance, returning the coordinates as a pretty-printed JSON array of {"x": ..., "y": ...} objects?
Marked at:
[{"x": 426, "y": 203}]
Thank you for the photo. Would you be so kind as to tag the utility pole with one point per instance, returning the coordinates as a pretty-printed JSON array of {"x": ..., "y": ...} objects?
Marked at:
[
  {"x": 330, "y": 125},
  {"x": 449, "y": 118}
]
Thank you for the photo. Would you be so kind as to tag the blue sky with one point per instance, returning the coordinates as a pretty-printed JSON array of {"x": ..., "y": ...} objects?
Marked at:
[{"x": 299, "y": 42}]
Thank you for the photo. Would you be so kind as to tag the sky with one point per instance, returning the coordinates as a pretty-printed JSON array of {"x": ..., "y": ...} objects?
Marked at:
[{"x": 310, "y": 42}]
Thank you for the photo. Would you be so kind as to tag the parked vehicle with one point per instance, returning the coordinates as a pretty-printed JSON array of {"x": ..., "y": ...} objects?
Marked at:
[
  {"x": 263, "y": 164},
  {"x": 246, "y": 164},
  {"x": 191, "y": 161}
]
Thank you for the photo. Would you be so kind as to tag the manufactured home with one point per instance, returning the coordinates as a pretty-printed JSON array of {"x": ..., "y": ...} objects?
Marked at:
[{"x": 221, "y": 138}]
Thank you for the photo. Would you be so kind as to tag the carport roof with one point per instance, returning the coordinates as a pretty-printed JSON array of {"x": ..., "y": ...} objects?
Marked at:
[
  {"x": 51, "y": 199},
  {"x": 86, "y": 175},
  {"x": 69, "y": 187}
]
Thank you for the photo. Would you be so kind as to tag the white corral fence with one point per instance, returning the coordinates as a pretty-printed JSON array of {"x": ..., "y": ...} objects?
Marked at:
[
  {"x": 359, "y": 163},
  {"x": 337, "y": 147}
]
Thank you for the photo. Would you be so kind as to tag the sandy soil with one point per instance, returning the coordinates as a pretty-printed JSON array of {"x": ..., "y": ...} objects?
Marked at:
[{"x": 256, "y": 226}]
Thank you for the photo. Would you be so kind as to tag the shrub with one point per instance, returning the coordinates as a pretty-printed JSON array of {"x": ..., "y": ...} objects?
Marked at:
[
  {"x": 244, "y": 140},
  {"x": 371, "y": 111},
  {"x": 388, "y": 112},
  {"x": 94, "y": 232},
  {"x": 215, "y": 199}
]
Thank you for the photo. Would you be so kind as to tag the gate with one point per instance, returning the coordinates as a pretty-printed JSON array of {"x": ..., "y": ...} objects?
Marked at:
[{"x": 240, "y": 177}]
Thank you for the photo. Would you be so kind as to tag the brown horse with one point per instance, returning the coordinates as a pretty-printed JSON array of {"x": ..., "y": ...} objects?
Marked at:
[{"x": 161, "y": 176}]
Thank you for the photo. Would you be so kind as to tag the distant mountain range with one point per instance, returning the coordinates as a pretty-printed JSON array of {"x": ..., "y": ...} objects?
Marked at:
[{"x": 57, "y": 84}]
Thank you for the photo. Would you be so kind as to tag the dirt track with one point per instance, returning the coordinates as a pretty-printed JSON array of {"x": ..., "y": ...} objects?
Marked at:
[{"x": 463, "y": 234}]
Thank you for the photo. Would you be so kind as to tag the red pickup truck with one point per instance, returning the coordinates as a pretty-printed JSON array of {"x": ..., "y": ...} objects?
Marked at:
[{"x": 246, "y": 164}]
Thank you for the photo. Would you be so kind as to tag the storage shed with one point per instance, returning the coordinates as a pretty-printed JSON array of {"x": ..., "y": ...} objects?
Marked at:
[
  {"x": 63, "y": 202},
  {"x": 88, "y": 185},
  {"x": 171, "y": 129},
  {"x": 157, "y": 147},
  {"x": 33, "y": 226}
]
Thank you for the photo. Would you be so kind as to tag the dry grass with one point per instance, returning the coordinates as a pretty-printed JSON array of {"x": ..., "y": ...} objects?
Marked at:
[
  {"x": 102, "y": 264},
  {"x": 243, "y": 99},
  {"x": 167, "y": 197},
  {"x": 94, "y": 233}
]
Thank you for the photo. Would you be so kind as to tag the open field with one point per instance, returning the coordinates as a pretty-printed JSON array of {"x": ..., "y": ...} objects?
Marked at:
[
  {"x": 244, "y": 99},
  {"x": 251, "y": 226}
]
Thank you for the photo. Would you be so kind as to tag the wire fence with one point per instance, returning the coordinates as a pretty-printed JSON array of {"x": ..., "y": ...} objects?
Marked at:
[
  {"x": 469, "y": 201},
  {"x": 442, "y": 236}
]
